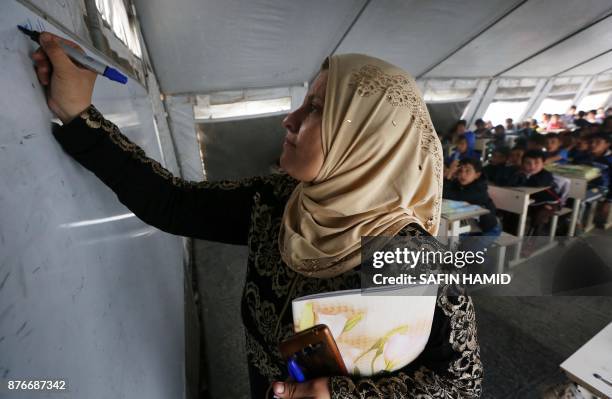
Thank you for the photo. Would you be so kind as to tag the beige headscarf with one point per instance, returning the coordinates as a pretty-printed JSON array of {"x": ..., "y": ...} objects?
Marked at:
[{"x": 382, "y": 169}]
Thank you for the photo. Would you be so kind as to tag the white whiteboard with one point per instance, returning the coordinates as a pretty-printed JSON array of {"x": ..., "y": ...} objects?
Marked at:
[{"x": 88, "y": 293}]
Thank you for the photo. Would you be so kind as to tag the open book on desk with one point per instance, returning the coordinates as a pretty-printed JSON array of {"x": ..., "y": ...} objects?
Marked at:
[{"x": 384, "y": 329}]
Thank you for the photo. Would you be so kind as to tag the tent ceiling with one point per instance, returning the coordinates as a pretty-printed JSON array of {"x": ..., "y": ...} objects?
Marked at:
[
  {"x": 419, "y": 34},
  {"x": 533, "y": 26},
  {"x": 592, "y": 67},
  {"x": 211, "y": 45},
  {"x": 587, "y": 44}
]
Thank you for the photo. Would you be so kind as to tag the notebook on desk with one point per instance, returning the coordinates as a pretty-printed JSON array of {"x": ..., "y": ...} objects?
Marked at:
[
  {"x": 452, "y": 206},
  {"x": 574, "y": 171},
  {"x": 383, "y": 330}
]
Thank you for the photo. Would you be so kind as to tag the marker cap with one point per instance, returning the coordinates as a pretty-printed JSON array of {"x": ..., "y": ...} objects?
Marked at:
[{"x": 115, "y": 75}]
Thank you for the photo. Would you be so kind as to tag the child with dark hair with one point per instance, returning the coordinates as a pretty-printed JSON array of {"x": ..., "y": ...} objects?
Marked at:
[
  {"x": 601, "y": 157},
  {"x": 555, "y": 123},
  {"x": 536, "y": 142},
  {"x": 468, "y": 183},
  {"x": 462, "y": 151},
  {"x": 546, "y": 202},
  {"x": 606, "y": 125},
  {"x": 481, "y": 128},
  {"x": 579, "y": 154},
  {"x": 555, "y": 153},
  {"x": 459, "y": 129},
  {"x": 497, "y": 170},
  {"x": 580, "y": 120},
  {"x": 499, "y": 135},
  {"x": 515, "y": 159}
]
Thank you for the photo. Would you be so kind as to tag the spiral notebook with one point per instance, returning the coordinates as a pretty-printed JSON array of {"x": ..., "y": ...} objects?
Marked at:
[{"x": 383, "y": 330}]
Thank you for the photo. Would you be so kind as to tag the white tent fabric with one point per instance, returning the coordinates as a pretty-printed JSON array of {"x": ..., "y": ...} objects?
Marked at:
[
  {"x": 202, "y": 46},
  {"x": 205, "y": 46},
  {"x": 533, "y": 26}
]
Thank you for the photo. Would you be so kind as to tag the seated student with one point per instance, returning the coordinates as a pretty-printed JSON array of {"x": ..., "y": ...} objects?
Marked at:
[
  {"x": 546, "y": 202},
  {"x": 524, "y": 129},
  {"x": 580, "y": 152},
  {"x": 515, "y": 159},
  {"x": 554, "y": 152},
  {"x": 481, "y": 129},
  {"x": 601, "y": 157},
  {"x": 580, "y": 120},
  {"x": 461, "y": 130},
  {"x": 555, "y": 123},
  {"x": 457, "y": 130},
  {"x": 499, "y": 135},
  {"x": 606, "y": 125},
  {"x": 467, "y": 183},
  {"x": 544, "y": 122},
  {"x": 462, "y": 151},
  {"x": 591, "y": 116},
  {"x": 497, "y": 170},
  {"x": 536, "y": 142}
]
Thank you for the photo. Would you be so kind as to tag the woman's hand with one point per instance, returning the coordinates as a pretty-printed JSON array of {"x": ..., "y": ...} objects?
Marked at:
[
  {"x": 313, "y": 389},
  {"x": 68, "y": 87}
]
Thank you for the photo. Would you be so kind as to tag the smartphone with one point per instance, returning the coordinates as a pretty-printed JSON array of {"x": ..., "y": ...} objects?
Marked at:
[{"x": 312, "y": 353}]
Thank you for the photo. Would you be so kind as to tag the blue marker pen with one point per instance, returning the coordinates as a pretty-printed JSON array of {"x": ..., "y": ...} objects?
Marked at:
[{"x": 85, "y": 60}]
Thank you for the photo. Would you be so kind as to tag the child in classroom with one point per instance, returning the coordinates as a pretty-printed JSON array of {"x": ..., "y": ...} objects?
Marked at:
[
  {"x": 466, "y": 182},
  {"x": 600, "y": 156},
  {"x": 536, "y": 142},
  {"x": 462, "y": 151},
  {"x": 579, "y": 153},
  {"x": 555, "y": 153},
  {"x": 497, "y": 170},
  {"x": 546, "y": 202}
]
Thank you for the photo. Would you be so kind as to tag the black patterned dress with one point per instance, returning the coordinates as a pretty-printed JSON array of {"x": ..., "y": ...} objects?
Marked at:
[{"x": 249, "y": 212}]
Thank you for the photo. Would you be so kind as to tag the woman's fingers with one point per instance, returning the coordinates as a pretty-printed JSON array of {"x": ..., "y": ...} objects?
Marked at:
[
  {"x": 62, "y": 40},
  {"x": 313, "y": 389},
  {"x": 42, "y": 66},
  {"x": 56, "y": 54}
]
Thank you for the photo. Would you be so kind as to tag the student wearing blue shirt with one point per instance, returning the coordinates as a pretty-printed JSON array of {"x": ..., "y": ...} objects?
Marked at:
[
  {"x": 462, "y": 151},
  {"x": 579, "y": 154},
  {"x": 554, "y": 152},
  {"x": 461, "y": 131},
  {"x": 601, "y": 157}
]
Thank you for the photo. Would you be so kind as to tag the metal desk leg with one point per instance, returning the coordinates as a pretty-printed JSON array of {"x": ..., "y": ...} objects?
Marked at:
[
  {"x": 574, "y": 218},
  {"x": 521, "y": 231},
  {"x": 454, "y": 232}
]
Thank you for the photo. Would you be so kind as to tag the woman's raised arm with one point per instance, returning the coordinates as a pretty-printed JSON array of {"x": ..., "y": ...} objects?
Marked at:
[{"x": 218, "y": 211}]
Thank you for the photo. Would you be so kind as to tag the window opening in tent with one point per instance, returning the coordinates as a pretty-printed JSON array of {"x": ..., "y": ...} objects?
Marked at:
[
  {"x": 499, "y": 111},
  {"x": 205, "y": 110},
  {"x": 598, "y": 95},
  {"x": 115, "y": 14},
  {"x": 552, "y": 105},
  {"x": 594, "y": 101}
]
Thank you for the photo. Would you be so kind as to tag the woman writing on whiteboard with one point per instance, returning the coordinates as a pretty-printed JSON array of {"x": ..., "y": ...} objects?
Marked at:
[{"x": 361, "y": 158}]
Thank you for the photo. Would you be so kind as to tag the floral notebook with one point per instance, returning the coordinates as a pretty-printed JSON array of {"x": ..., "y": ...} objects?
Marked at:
[{"x": 378, "y": 332}]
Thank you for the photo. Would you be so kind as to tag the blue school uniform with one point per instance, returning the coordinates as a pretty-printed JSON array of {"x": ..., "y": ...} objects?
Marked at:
[{"x": 470, "y": 153}]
